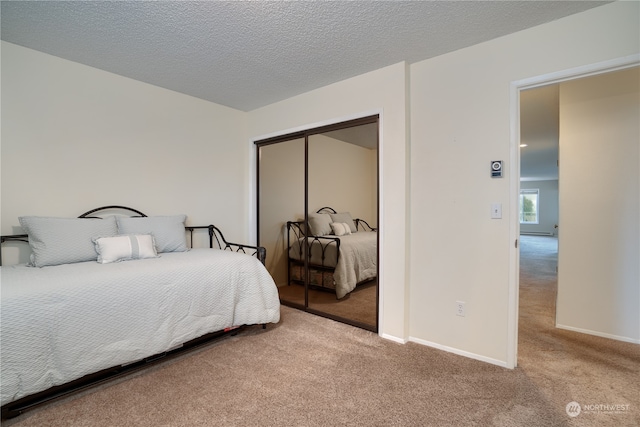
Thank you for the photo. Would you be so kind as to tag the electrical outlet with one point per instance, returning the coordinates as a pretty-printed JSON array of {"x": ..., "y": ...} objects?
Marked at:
[{"x": 460, "y": 308}]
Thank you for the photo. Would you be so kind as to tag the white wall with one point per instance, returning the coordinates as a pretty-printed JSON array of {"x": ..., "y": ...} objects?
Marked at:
[
  {"x": 547, "y": 206},
  {"x": 460, "y": 121},
  {"x": 599, "y": 247},
  {"x": 75, "y": 138},
  {"x": 382, "y": 91}
]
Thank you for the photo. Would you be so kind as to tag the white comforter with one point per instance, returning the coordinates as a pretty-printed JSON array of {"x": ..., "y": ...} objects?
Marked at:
[
  {"x": 358, "y": 261},
  {"x": 63, "y": 322}
]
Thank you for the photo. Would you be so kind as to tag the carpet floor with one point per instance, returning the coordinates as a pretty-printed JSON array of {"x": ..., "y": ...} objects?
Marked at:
[
  {"x": 312, "y": 371},
  {"x": 600, "y": 374}
]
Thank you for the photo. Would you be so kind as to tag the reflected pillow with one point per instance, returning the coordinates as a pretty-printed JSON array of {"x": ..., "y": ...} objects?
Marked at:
[
  {"x": 168, "y": 231},
  {"x": 319, "y": 224},
  {"x": 124, "y": 248},
  {"x": 340, "y": 228},
  {"x": 56, "y": 241},
  {"x": 346, "y": 218}
]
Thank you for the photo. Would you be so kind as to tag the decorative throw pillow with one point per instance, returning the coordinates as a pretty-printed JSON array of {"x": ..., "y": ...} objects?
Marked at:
[
  {"x": 346, "y": 218},
  {"x": 168, "y": 231},
  {"x": 56, "y": 241},
  {"x": 319, "y": 224},
  {"x": 124, "y": 248},
  {"x": 340, "y": 228}
]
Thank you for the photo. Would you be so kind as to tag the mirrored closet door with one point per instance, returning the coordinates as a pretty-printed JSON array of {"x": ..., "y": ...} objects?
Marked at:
[
  {"x": 317, "y": 218},
  {"x": 281, "y": 197}
]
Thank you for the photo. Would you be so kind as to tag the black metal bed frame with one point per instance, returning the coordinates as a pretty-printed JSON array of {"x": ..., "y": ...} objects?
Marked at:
[
  {"x": 214, "y": 235},
  {"x": 24, "y": 404},
  {"x": 324, "y": 242}
]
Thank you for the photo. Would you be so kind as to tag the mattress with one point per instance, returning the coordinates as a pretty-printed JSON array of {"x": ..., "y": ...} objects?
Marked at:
[{"x": 62, "y": 322}]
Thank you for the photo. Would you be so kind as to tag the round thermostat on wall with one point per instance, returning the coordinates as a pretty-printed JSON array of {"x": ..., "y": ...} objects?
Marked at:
[{"x": 496, "y": 169}]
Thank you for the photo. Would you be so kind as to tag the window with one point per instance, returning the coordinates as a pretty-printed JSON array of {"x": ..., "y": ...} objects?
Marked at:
[{"x": 529, "y": 206}]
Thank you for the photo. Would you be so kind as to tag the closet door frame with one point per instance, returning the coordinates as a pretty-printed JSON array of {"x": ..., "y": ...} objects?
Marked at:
[{"x": 305, "y": 134}]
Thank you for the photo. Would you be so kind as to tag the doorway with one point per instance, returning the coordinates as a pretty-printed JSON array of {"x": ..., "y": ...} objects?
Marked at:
[
  {"x": 569, "y": 316},
  {"x": 538, "y": 210},
  {"x": 317, "y": 216}
]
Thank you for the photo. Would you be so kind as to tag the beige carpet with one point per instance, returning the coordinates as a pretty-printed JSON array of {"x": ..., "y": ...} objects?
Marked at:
[
  {"x": 312, "y": 371},
  {"x": 568, "y": 366}
]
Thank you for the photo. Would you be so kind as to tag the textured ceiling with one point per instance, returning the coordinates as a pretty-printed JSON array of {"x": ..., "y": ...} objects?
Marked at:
[{"x": 249, "y": 54}]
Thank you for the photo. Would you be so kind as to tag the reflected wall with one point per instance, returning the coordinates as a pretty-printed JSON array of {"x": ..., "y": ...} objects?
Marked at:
[{"x": 281, "y": 189}]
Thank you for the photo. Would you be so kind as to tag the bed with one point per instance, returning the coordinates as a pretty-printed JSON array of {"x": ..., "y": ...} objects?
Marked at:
[
  {"x": 342, "y": 251},
  {"x": 68, "y": 321}
]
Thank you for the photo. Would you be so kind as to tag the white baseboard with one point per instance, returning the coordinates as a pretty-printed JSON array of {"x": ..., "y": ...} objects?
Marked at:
[
  {"x": 459, "y": 352},
  {"x": 598, "y": 334},
  {"x": 392, "y": 338}
]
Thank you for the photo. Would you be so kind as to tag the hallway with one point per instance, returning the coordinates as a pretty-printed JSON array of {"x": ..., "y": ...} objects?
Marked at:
[{"x": 598, "y": 373}]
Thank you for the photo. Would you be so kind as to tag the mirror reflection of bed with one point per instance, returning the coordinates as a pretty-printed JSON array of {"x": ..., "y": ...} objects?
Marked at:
[
  {"x": 341, "y": 177},
  {"x": 342, "y": 259}
]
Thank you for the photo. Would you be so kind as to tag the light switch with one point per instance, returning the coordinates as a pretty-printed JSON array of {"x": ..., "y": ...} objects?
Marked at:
[{"x": 496, "y": 210}]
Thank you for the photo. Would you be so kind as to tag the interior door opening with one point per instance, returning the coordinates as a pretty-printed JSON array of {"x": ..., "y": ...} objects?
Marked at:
[{"x": 597, "y": 119}]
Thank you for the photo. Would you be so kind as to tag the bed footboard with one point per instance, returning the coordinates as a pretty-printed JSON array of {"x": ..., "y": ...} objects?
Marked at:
[
  {"x": 361, "y": 223},
  {"x": 320, "y": 267},
  {"x": 216, "y": 235}
]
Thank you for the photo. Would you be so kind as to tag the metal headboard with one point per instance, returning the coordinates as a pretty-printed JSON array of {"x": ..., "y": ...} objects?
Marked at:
[
  {"x": 214, "y": 234},
  {"x": 104, "y": 208},
  {"x": 327, "y": 208},
  {"x": 359, "y": 222}
]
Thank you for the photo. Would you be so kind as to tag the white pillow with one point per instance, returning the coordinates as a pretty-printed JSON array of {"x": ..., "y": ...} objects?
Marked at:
[
  {"x": 124, "y": 248},
  {"x": 340, "y": 228},
  {"x": 168, "y": 231},
  {"x": 319, "y": 224},
  {"x": 346, "y": 218},
  {"x": 56, "y": 241}
]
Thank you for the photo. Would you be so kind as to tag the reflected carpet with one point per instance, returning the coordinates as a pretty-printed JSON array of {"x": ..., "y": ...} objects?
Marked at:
[{"x": 359, "y": 305}]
